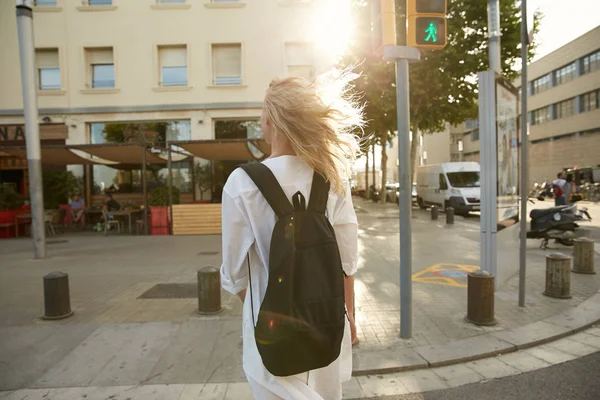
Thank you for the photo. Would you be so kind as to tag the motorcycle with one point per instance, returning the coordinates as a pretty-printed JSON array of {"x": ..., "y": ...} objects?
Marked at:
[
  {"x": 558, "y": 223},
  {"x": 545, "y": 190}
]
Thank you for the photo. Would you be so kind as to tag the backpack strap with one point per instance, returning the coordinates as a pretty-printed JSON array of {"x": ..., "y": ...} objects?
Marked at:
[
  {"x": 319, "y": 194},
  {"x": 266, "y": 182}
]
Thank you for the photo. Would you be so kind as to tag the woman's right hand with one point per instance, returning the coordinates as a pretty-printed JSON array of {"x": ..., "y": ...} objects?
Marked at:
[{"x": 353, "y": 334}]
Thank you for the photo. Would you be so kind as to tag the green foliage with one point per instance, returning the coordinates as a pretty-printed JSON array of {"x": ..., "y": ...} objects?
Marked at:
[
  {"x": 204, "y": 177},
  {"x": 443, "y": 85},
  {"x": 160, "y": 196},
  {"x": 150, "y": 132},
  {"x": 59, "y": 187},
  {"x": 9, "y": 199}
]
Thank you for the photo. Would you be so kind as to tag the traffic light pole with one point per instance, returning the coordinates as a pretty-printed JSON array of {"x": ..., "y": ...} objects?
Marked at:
[
  {"x": 402, "y": 56},
  {"x": 523, "y": 189},
  {"x": 32, "y": 127}
]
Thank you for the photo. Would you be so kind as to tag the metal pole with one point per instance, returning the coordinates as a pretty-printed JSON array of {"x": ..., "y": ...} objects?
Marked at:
[
  {"x": 32, "y": 128},
  {"x": 494, "y": 35},
  {"x": 523, "y": 188},
  {"x": 169, "y": 168},
  {"x": 145, "y": 189},
  {"x": 404, "y": 172}
]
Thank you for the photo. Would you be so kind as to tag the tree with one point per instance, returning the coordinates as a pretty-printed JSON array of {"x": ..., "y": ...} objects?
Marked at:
[{"x": 443, "y": 85}]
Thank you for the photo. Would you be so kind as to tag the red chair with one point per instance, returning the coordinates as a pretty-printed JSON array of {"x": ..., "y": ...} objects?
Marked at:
[{"x": 67, "y": 207}]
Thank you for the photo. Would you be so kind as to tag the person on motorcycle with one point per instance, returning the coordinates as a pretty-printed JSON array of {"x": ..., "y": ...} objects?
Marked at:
[{"x": 557, "y": 185}]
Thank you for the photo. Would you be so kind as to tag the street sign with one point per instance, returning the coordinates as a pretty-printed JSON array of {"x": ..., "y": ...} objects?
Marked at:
[{"x": 426, "y": 24}]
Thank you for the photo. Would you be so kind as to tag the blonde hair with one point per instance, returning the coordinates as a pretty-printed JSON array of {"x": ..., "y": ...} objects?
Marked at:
[{"x": 318, "y": 119}]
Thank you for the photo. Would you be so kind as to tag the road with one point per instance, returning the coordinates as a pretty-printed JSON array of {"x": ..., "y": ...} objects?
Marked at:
[{"x": 575, "y": 380}]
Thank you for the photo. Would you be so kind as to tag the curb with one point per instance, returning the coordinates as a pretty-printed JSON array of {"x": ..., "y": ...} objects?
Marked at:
[{"x": 566, "y": 323}]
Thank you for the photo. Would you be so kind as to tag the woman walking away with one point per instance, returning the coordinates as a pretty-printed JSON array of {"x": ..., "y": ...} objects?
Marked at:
[{"x": 290, "y": 239}]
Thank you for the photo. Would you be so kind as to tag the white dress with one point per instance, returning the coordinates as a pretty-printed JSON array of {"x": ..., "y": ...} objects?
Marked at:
[{"x": 248, "y": 222}]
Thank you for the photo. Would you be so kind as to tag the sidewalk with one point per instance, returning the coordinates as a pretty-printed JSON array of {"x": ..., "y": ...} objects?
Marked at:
[{"x": 116, "y": 338}]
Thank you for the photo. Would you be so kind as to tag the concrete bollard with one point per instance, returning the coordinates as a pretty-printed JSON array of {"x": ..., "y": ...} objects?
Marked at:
[
  {"x": 449, "y": 216},
  {"x": 57, "y": 301},
  {"x": 434, "y": 213},
  {"x": 480, "y": 298},
  {"x": 558, "y": 276},
  {"x": 209, "y": 291},
  {"x": 583, "y": 256}
]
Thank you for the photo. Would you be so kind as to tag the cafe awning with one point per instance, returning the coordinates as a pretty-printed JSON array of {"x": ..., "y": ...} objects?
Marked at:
[
  {"x": 122, "y": 154},
  {"x": 51, "y": 155},
  {"x": 226, "y": 150}
]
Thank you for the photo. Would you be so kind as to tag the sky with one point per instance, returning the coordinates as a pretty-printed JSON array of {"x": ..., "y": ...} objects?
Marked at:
[{"x": 564, "y": 21}]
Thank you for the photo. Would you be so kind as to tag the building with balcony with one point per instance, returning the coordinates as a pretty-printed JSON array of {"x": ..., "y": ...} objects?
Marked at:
[{"x": 563, "y": 113}]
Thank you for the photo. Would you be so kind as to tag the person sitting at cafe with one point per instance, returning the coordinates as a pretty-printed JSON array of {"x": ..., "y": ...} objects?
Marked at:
[
  {"x": 111, "y": 204},
  {"x": 78, "y": 210}
]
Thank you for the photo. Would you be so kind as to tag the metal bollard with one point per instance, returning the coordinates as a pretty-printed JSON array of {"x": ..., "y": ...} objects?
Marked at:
[
  {"x": 434, "y": 213},
  {"x": 57, "y": 301},
  {"x": 480, "y": 298},
  {"x": 583, "y": 256},
  {"x": 558, "y": 276},
  {"x": 449, "y": 216},
  {"x": 209, "y": 291}
]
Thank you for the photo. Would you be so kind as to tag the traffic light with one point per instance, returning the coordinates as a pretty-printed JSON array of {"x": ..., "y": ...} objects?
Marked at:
[
  {"x": 426, "y": 27},
  {"x": 383, "y": 25}
]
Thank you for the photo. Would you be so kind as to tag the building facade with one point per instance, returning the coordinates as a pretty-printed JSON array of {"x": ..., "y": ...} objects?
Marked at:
[
  {"x": 196, "y": 68},
  {"x": 563, "y": 112}
]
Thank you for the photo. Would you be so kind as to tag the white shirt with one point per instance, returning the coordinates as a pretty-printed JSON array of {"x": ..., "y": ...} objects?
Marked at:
[{"x": 248, "y": 223}]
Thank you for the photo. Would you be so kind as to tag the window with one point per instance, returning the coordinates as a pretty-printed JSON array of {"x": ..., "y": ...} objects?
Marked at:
[
  {"x": 591, "y": 62},
  {"x": 45, "y": 3},
  {"x": 564, "y": 108},
  {"x": 173, "y": 65},
  {"x": 541, "y": 84},
  {"x": 566, "y": 74},
  {"x": 101, "y": 68},
  {"x": 443, "y": 183},
  {"x": 130, "y": 181},
  {"x": 591, "y": 100},
  {"x": 540, "y": 115},
  {"x": 100, "y": 2},
  {"x": 475, "y": 135},
  {"x": 299, "y": 60},
  {"x": 48, "y": 67},
  {"x": 227, "y": 64}
]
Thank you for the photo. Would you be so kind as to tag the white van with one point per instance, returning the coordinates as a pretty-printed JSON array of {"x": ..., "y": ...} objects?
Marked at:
[{"x": 454, "y": 184}]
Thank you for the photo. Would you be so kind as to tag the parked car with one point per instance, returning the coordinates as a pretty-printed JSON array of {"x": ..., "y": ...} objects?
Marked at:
[
  {"x": 414, "y": 193},
  {"x": 392, "y": 192}
]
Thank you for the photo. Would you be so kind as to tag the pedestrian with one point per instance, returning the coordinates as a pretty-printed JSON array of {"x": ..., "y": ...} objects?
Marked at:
[
  {"x": 308, "y": 129},
  {"x": 568, "y": 189},
  {"x": 557, "y": 186}
]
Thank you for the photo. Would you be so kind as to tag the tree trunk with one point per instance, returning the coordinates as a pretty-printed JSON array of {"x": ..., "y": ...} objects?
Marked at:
[
  {"x": 384, "y": 166},
  {"x": 374, "y": 170},
  {"x": 367, "y": 175},
  {"x": 413, "y": 152}
]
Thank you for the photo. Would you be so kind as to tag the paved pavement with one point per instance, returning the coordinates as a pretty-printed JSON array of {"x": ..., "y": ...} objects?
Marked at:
[
  {"x": 117, "y": 339},
  {"x": 544, "y": 372}
]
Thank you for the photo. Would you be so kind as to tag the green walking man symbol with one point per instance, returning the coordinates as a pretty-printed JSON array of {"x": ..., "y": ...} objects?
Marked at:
[{"x": 431, "y": 33}]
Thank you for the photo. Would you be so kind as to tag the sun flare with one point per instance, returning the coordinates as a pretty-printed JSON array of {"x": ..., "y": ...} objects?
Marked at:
[{"x": 331, "y": 26}]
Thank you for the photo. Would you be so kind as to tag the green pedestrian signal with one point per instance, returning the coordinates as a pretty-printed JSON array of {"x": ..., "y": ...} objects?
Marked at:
[
  {"x": 426, "y": 24},
  {"x": 431, "y": 32},
  {"x": 428, "y": 32}
]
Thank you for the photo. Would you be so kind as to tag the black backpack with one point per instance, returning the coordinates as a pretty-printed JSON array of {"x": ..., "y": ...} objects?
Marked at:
[{"x": 300, "y": 324}]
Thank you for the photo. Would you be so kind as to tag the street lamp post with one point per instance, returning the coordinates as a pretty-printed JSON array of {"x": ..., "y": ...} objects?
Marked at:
[{"x": 32, "y": 128}]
